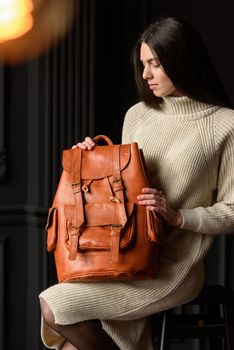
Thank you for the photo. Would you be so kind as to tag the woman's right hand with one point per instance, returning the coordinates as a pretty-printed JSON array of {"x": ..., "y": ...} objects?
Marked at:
[{"x": 88, "y": 144}]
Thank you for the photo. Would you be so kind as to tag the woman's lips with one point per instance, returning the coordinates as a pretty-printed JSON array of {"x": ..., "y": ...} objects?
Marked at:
[{"x": 153, "y": 86}]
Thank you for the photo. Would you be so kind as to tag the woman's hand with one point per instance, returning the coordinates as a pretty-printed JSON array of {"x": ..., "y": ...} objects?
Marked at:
[
  {"x": 156, "y": 201},
  {"x": 86, "y": 144}
]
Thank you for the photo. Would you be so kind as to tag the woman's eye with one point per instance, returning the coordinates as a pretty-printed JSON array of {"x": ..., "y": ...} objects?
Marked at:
[{"x": 156, "y": 65}]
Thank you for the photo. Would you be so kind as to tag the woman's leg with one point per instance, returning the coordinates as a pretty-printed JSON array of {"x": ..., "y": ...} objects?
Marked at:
[
  {"x": 68, "y": 346},
  {"x": 87, "y": 335}
]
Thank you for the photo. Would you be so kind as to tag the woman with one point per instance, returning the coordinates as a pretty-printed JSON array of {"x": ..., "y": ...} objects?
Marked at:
[{"x": 185, "y": 126}]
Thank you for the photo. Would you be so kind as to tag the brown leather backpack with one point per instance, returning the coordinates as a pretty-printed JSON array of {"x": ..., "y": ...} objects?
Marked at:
[{"x": 95, "y": 226}]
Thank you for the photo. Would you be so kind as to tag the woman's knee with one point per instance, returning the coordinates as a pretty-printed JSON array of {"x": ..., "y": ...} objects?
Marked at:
[
  {"x": 68, "y": 346},
  {"x": 46, "y": 312}
]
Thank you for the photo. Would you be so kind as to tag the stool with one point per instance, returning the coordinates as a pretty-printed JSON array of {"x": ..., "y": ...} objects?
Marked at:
[{"x": 212, "y": 319}]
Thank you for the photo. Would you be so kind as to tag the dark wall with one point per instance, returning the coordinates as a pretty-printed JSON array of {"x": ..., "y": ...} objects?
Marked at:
[
  {"x": 82, "y": 86},
  {"x": 115, "y": 86},
  {"x": 15, "y": 110}
]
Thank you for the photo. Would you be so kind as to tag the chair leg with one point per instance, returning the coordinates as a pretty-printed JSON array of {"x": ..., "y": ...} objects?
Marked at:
[
  {"x": 216, "y": 344},
  {"x": 229, "y": 316},
  {"x": 156, "y": 330},
  {"x": 165, "y": 335}
]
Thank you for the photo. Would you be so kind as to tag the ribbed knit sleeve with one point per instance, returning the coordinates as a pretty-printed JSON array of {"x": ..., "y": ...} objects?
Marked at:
[
  {"x": 131, "y": 122},
  {"x": 218, "y": 218}
]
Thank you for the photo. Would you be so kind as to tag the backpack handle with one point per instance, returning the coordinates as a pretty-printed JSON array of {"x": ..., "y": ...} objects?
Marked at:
[{"x": 102, "y": 137}]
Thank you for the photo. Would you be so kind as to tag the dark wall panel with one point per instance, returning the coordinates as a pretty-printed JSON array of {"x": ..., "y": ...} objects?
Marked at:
[
  {"x": 115, "y": 86},
  {"x": 3, "y": 271},
  {"x": 14, "y": 189},
  {"x": 13, "y": 248}
]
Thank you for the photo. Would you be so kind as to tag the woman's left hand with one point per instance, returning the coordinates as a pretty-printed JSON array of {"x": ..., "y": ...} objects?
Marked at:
[{"x": 156, "y": 201}]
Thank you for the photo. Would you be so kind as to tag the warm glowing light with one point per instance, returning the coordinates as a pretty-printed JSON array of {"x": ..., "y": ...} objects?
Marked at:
[
  {"x": 15, "y": 18},
  {"x": 43, "y": 22}
]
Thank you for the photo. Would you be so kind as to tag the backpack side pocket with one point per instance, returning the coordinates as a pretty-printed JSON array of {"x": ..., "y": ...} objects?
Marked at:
[{"x": 51, "y": 228}]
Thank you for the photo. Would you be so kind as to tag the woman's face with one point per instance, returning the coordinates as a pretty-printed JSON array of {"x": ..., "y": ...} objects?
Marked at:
[{"x": 154, "y": 74}]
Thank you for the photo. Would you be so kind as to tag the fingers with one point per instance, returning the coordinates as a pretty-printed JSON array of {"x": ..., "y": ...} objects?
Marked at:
[
  {"x": 151, "y": 196},
  {"x": 88, "y": 144},
  {"x": 152, "y": 190},
  {"x": 153, "y": 199}
]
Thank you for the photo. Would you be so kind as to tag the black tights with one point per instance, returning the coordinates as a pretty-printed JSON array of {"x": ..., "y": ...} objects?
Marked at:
[{"x": 87, "y": 335}]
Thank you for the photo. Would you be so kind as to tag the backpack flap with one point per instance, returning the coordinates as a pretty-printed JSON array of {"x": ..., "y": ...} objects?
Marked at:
[{"x": 98, "y": 163}]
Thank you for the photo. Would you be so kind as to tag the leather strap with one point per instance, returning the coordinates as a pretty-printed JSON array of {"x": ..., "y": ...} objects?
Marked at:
[
  {"x": 152, "y": 221},
  {"x": 120, "y": 216},
  {"x": 74, "y": 234},
  {"x": 78, "y": 196},
  {"x": 115, "y": 242},
  {"x": 104, "y": 138},
  {"x": 118, "y": 186}
]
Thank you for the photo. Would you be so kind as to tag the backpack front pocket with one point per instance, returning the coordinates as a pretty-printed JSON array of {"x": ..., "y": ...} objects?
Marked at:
[{"x": 99, "y": 225}]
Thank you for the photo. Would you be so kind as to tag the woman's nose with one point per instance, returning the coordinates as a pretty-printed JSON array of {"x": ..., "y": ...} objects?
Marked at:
[{"x": 146, "y": 73}]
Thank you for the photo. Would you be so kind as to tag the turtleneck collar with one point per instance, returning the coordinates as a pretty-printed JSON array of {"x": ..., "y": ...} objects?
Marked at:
[{"x": 185, "y": 106}]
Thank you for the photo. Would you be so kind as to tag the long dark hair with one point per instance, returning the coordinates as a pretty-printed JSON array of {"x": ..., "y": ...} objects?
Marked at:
[{"x": 185, "y": 60}]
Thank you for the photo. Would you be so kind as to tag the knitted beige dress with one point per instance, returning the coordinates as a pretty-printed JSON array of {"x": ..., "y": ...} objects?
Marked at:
[{"x": 189, "y": 150}]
